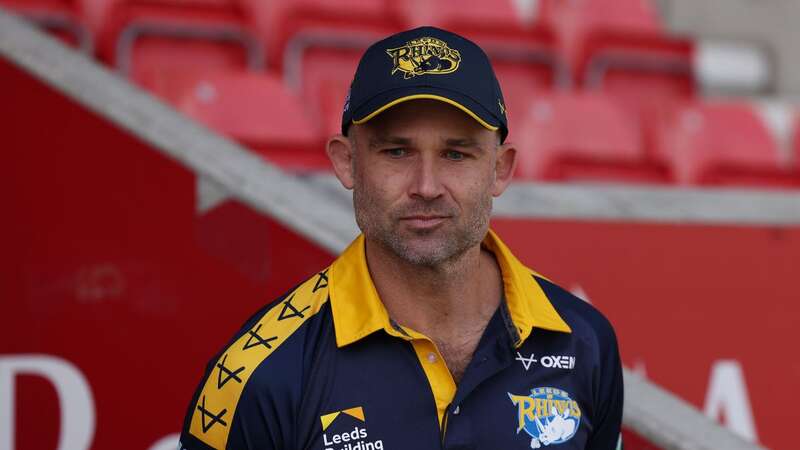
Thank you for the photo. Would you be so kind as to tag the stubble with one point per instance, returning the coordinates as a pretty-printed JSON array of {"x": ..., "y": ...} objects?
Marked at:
[{"x": 464, "y": 229}]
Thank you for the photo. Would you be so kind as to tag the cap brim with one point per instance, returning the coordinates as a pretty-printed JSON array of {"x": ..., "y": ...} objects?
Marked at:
[{"x": 386, "y": 100}]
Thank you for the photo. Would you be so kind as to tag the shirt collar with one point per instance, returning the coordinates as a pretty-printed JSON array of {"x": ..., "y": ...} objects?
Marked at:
[{"x": 358, "y": 310}]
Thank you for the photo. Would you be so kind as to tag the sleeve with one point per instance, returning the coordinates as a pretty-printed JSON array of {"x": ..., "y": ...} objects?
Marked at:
[
  {"x": 249, "y": 396},
  {"x": 261, "y": 419},
  {"x": 607, "y": 432}
]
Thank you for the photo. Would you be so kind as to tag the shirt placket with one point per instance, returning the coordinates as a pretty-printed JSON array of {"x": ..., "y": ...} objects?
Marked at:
[{"x": 493, "y": 355}]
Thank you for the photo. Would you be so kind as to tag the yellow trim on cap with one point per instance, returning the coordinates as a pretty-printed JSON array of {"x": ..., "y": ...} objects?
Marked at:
[{"x": 427, "y": 96}]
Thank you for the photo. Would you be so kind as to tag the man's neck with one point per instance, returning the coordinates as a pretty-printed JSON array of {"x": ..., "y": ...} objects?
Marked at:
[{"x": 443, "y": 301}]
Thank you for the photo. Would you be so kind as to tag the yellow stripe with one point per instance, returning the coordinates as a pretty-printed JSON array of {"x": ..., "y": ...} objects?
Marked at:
[
  {"x": 436, "y": 371},
  {"x": 247, "y": 353},
  {"x": 428, "y": 96}
]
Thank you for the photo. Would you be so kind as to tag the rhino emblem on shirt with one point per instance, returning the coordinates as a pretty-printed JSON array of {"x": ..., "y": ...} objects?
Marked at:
[
  {"x": 557, "y": 429},
  {"x": 548, "y": 414}
]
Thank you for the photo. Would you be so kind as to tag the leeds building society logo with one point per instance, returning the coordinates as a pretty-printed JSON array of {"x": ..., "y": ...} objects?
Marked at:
[
  {"x": 425, "y": 55},
  {"x": 355, "y": 438},
  {"x": 548, "y": 415}
]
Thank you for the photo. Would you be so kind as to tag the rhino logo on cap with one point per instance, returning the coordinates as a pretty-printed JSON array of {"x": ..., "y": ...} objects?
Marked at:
[{"x": 422, "y": 56}]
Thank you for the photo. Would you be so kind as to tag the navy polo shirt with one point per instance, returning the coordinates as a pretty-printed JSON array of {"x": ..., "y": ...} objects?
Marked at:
[{"x": 325, "y": 368}]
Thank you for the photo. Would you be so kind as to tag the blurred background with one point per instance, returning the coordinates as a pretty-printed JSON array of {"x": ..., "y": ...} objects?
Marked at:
[{"x": 165, "y": 176}]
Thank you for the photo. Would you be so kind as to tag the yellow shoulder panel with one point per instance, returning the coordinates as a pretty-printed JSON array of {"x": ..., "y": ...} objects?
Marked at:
[{"x": 216, "y": 404}]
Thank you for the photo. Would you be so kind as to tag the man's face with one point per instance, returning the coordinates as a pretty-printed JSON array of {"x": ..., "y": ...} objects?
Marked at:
[{"x": 423, "y": 177}]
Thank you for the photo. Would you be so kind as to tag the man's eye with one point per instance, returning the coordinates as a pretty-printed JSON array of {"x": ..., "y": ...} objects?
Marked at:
[
  {"x": 454, "y": 155},
  {"x": 396, "y": 152}
]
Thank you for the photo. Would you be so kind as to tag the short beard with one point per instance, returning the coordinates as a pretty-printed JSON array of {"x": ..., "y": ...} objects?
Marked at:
[{"x": 450, "y": 248}]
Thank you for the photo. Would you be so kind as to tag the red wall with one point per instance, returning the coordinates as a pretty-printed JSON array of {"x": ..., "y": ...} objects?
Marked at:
[{"x": 106, "y": 265}]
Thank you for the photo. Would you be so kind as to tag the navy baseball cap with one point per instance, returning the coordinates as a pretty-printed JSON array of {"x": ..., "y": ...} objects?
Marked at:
[{"x": 426, "y": 63}]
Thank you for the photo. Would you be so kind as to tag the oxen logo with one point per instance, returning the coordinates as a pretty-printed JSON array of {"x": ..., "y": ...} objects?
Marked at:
[
  {"x": 548, "y": 415},
  {"x": 422, "y": 56}
]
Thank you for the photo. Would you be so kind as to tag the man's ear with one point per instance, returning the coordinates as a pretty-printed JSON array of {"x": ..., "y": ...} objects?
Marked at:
[
  {"x": 504, "y": 167},
  {"x": 341, "y": 151}
]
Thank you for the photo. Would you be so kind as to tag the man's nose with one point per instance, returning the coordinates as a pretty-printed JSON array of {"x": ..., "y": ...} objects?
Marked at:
[{"x": 426, "y": 179}]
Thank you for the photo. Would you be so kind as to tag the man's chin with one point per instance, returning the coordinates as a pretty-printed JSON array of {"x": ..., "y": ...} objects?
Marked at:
[{"x": 425, "y": 250}]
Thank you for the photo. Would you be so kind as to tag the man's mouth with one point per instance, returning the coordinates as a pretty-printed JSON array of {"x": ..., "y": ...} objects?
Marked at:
[{"x": 423, "y": 221}]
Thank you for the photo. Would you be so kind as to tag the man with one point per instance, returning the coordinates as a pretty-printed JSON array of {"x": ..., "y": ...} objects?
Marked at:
[{"x": 426, "y": 333}]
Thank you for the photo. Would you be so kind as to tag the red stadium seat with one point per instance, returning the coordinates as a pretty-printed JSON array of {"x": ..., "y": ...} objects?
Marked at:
[
  {"x": 521, "y": 84},
  {"x": 317, "y": 45},
  {"x": 644, "y": 71},
  {"x": 465, "y": 16},
  {"x": 141, "y": 36},
  {"x": 94, "y": 13},
  {"x": 296, "y": 24},
  {"x": 255, "y": 109},
  {"x": 582, "y": 137},
  {"x": 58, "y": 17},
  {"x": 724, "y": 144},
  {"x": 575, "y": 20},
  {"x": 526, "y": 68},
  {"x": 624, "y": 15},
  {"x": 325, "y": 81},
  {"x": 619, "y": 46}
]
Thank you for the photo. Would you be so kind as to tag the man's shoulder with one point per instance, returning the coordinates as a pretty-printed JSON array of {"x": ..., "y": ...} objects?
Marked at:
[
  {"x": 291, "y": 310},
  {"x": 279, "y": 326},
  {"x": 264, "y": 360},
  {"x": 582, "y": 317}
]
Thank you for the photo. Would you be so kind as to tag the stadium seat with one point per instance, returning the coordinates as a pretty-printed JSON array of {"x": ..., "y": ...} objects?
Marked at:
[
  {"x": 527, "y": 65},
  {"x": 626, "y": 15},
  {"x": 94, "y": 13},
  {"x": 644, "y": 71},
  {"x": 575, "y": 20},
  {"x": 60, "y": 18},
  {"x": 319, "y": 64},
  {"x": 325, "y": 81},
  {"x": 522, "y": 84},
  {"x": 582, "y": 137},
  {"x": 296, "y": 24},
  {"x": 317, "y": 44},
  {"x": 141, "y": 36},
  {"x": 255, "y": 109},
  {"x": 466, "y": 16},
  {"x": 619, "y": 47},
  {"x": 722, "y": 144}
]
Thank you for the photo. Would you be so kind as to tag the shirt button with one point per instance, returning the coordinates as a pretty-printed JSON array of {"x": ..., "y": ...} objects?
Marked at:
[
  {"x": 457, "y": 410},
  {"x": 431, "y": 357}
]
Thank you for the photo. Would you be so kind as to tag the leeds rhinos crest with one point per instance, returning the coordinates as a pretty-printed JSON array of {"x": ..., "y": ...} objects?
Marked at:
[
  {"x": 548, "y": 415},
  {"x": 422, "y": 56}
]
